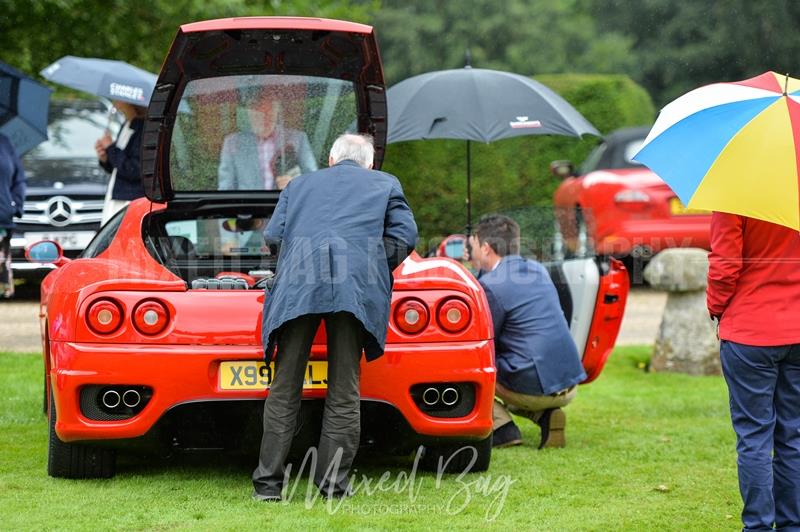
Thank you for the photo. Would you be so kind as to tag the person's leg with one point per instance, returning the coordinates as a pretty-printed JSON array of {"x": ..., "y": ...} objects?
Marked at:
[
  {"x": 751, "y": 373},
  {"x": 282, "y": 405},
  {"x": 533, "y": 406},
  {"x": 500, "y": 415},
  {"x": 341, "y": 421},
  {"x": 6, "y": 273},
  {"x": 786, "y": 459},
  {"x": 544, "y": 410},
  {"x": 505, "y": 432}
]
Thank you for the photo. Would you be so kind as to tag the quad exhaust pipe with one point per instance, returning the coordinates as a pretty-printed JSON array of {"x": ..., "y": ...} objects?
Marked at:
[
  {"x": 113, "y": 399},
  {"x": 433, "y": 397}
]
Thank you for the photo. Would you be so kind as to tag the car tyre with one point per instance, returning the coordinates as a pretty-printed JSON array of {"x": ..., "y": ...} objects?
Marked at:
[
  {"x": 70, "y": 460},
  {"x": 469, "y": 457}
]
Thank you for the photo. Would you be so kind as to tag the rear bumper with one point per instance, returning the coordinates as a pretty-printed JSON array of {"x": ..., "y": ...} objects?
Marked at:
[
  {"x": 654, "y": 235},
  {"x": 179, "y": 375}
]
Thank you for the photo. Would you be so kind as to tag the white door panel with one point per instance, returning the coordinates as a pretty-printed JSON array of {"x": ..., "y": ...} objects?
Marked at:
[{"x": 583, "y": 279}]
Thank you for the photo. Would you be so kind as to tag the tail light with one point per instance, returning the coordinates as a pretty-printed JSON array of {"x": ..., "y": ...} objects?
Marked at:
[
  {"x": 411, "y": 316},
  {"x": 150, "y": 317},
  {"x": 454, "y": 315},
  {"x": 104, "y": 316}
]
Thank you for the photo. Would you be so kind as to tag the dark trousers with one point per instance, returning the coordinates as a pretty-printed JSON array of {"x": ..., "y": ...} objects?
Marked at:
[
  {"x": 341, "y": 422},
  {"x": 764, "y": 388}
]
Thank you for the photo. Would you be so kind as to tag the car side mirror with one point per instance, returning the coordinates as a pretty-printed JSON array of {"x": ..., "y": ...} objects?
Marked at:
[
  {"x": 46, "y": 252},
  {"x": 562, "y": 169},
  {"x": 452, "y": 247}
]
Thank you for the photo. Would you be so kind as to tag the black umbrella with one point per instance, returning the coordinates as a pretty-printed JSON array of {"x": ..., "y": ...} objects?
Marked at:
[
  {"x": 24, "y": 105},
  {"x": 475, "y": 104}
]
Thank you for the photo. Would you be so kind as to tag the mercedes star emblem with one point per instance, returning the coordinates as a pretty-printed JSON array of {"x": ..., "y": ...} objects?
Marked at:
[{"x": 59, "y": 210}]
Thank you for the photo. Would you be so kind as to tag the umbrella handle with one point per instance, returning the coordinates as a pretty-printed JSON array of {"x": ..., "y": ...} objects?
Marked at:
[{"x": 111, "y": 112}]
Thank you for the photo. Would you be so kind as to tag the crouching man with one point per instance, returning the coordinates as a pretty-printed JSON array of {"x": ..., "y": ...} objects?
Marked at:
[{"x": 538, "y": 367}]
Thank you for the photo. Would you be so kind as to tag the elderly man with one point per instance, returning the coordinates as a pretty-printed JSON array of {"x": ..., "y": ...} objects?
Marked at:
[
  {"x": 342, "y": 231},
  {"x": 538, "y": 367}
]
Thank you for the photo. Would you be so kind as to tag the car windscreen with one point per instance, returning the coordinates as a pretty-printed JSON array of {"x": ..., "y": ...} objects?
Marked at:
[
  {"x": 218, "y": 236},
  {"x": 256, "y": 132},
  {"x": 68, "y": 155},
  {"x": 613, "y": 155}
]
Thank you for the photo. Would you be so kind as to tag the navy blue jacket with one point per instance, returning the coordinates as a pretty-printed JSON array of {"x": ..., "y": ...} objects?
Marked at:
[
  {"x": 534, "y": 351},
  {"x": 341, "y": 231},
  {"x": 12, "y": 184},
  {"x": 128, "y": 184}
]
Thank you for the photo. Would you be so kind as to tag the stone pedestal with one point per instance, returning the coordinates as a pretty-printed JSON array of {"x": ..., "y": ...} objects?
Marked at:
[{"x": 686, "y": 341}]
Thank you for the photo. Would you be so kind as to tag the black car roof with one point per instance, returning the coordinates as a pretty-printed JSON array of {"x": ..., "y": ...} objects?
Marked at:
[{"x": 627, "y": 133}]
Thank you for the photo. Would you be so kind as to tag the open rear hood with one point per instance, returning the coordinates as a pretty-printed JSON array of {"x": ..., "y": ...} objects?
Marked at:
[{"x": 261, "y": 46}]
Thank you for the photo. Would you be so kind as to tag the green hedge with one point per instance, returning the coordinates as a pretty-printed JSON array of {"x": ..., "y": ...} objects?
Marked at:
[{"x": 511, "y": 175}]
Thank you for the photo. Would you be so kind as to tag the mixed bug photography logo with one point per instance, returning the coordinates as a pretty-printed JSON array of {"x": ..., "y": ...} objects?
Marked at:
[{"x": 457, "y": 490}]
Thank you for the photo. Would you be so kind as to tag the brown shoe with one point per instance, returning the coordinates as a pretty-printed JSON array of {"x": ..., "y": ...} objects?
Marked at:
[{"x": 553, "y": 422}]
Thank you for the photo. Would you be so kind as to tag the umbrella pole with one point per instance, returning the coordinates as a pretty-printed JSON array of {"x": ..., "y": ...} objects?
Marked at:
[{"x": 469, "y": 191}]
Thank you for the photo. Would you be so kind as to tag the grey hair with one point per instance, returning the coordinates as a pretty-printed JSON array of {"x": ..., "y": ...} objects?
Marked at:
[{"x": 354, "y": 147}]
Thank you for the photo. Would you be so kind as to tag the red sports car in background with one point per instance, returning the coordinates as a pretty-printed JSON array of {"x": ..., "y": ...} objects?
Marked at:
[
  {"x": 615, "y": 206},
  {"x": 153, "y": 336}
]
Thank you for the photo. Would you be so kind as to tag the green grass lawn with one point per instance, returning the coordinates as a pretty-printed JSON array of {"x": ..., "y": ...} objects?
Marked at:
[{"x": 645, "y": 452}]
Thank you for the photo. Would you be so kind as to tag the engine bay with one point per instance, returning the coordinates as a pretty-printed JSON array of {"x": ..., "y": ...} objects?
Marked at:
[{"x": 216, "y": 249}]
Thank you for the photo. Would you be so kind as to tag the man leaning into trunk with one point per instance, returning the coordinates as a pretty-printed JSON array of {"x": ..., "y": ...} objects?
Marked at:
[{"x": 342, "y": 231}]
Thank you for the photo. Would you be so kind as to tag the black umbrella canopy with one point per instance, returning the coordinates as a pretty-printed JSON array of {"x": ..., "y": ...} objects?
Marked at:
[
  {"x": 480, "y": 105},
  {"x": 24, "y": 105}
]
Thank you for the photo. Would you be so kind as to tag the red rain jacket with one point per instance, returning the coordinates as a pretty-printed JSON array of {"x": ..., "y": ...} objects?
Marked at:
[{"x": 754, "y": 280}]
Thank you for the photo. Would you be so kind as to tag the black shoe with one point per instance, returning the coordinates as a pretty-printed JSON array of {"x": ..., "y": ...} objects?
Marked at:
[
  {"x": 266, "y": 498},
  {"x": 506, "y": 435},
  {"x": 553, "y": 422}
]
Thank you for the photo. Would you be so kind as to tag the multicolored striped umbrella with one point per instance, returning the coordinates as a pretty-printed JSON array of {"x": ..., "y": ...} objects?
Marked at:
[{"x": 732, "y": 147}]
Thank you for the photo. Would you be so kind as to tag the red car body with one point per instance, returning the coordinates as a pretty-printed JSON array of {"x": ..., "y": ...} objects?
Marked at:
[
  {"x": 618, "y": 207},
  {"x": 145, "y": 315}
]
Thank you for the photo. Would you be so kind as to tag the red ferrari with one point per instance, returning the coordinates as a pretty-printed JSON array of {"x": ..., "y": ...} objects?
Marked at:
[
  {"x": 152, "y": 336},
  {"x": 615, "y": 206}
]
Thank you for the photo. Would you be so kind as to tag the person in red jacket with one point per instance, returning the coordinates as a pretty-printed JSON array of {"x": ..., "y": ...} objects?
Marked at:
[{"x": 754, "y": 294}]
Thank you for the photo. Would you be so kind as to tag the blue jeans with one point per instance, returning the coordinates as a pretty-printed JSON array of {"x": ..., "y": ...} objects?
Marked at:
[{"x": 764, "y": 389}]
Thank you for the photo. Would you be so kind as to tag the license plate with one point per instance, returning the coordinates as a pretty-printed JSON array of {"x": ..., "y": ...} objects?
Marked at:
[
  {"x": 677, "y": 208},
  {"x": 252, "y": 375},
  {"x": 66, "y": 239}
]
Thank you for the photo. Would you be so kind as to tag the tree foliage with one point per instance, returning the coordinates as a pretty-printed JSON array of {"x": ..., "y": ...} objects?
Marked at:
[
  {"x": 530, "y": 37},
  {"x": 682, "y": 44}
]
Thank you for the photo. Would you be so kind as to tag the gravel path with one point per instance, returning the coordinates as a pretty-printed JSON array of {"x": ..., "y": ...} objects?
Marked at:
[
  {"x": 642, "y": 317},
  {"x": 19, "y": 326}
]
